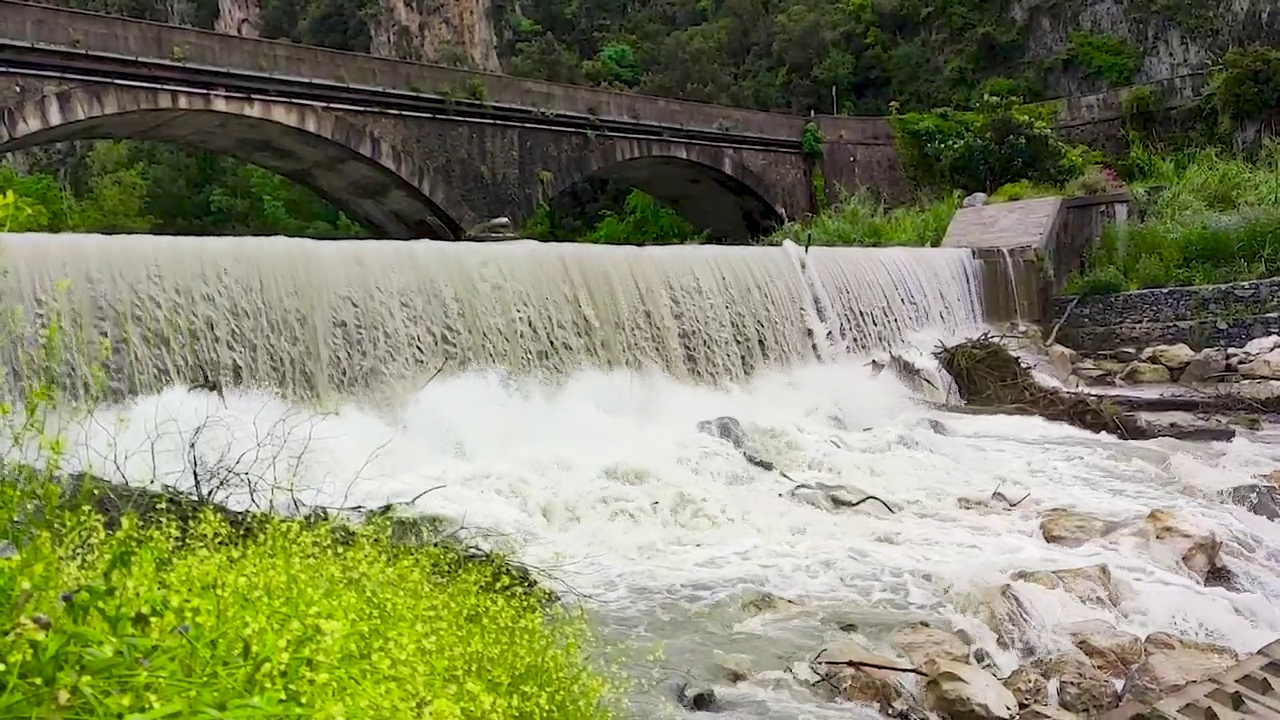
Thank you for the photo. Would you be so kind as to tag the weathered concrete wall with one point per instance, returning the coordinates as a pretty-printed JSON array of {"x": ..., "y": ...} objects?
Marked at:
[
  {"x": 1078, "y": 230},
  {"x": 859, "y": 153},
  {"x": 1209, "y": 316}
]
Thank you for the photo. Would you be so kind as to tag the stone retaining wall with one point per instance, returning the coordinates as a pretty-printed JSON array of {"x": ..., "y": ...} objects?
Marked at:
[{"x": 1209, "y": 316}]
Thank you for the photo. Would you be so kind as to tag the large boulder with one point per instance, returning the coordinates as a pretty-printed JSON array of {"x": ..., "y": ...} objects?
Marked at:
[
  {"x": 1172, "y": 663},
  {"x": 921, "y": 643},
  {"x": 965, "y": 692},
  {"x": 1098, "y": 639},
  {"x": 1063, "y": 360},
  {"x": 1082, "y": 688},
  {"x": 1259, "y": 499},
  {"x": 1264, "y": 366},
  {"x": 1175, "y": 535},
  {"x": 1092, "y": 585},
  {"x": 1206, "y": 364},
  {"x": 1070, "y": 528},
  {"x": 1028, "y": 687},
  {"x": 1173, "y": 357},
  {"x": 1261, "y": 346},
  {"x": 1145, "y": 373}
]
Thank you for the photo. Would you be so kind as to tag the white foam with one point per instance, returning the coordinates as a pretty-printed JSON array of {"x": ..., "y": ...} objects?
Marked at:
[{"x": 605, "y": 480}]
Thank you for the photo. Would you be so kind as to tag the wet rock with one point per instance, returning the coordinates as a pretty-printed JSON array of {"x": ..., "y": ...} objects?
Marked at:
[
  {"x": 698, "y": 698},
  {"x": 1125, "y": 355},
  {"x": 922, "y": 643},
  {"x": 1094, "y": 637},
  {"x": 1258, "y": 499},
  {"x": 1028, "y": 687},
  {"x": 845, "y": 679},
  {"x": 1261, "y": 346},
  {"x": 1222, "y": 576},
  {"x": 1072, "y": 529},
  {"x": 1272, "y": 478},
  {"x": 1146, "y": 373},
  {"x": 1092, "y": 372},
  {"x": 1012, "y": 619},
  {"x": 1206, "y": 364},
  {"x": 494, "y": 229},
  {"x": 964, "y": 692},
  {"x": 1082, "y": 688},
  {"x": 1247, "y": 422},
  {"x": 1195, "y": 547},
  {"x": 1173, "y": 357},
  {"x": 1092, "y": 585},
  {"x": 1063, "y": 360},
  {"x": 1171, "y": 663},
  {"x": 1265, "y": 366},
  {"x": 757, "y": 602},
  {"x": 733, "y": 668}
]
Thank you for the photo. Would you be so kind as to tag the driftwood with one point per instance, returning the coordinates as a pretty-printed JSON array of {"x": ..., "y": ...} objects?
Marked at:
[{"x": 988, "y": 375}]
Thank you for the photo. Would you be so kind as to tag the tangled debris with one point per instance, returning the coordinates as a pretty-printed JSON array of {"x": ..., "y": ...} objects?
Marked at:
[{"x": 987, "y": 374}]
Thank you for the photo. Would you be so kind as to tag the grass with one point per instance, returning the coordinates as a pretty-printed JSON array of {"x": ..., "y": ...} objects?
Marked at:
[
  {"x": 1205, "y": 216},
  {"x": 865, "y": 220},
  {"x": 165, "y": 616}
]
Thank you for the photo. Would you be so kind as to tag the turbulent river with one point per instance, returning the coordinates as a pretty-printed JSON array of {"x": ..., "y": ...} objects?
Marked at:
[{"x": 599, "y": 475}]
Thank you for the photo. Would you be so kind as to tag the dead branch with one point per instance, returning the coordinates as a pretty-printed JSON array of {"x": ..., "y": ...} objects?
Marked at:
[
  {"x": 865, "y": 499},
  {"x": 871, "y": 665},
  {"x": 1058, "y": 325},
  {"x": 997, "y": 495}
]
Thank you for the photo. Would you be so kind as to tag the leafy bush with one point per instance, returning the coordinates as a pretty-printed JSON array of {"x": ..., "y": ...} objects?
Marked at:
[
  {"x": 1105, "y": 57},
  {"x": 110, "y": 616},
  {"x": 1246, "y": 84},
  {"x": 1002, "y": 141},
  {"x": 639, "y": 219},
  {"x": 865, "y": 220}
]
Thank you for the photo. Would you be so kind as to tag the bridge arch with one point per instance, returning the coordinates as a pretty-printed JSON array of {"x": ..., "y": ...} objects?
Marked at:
[
  {"x": 361, "y": 174},
  {"x": 711, "y": 187}
]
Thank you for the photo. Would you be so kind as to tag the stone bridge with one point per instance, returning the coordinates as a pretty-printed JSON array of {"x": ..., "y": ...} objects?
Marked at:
[{"x": 415, "y": 150}]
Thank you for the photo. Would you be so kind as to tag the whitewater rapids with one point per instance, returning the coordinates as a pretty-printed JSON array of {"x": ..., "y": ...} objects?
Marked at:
[
  {"x": 606, "y": 483},
  {"x": 600, "y": 476}
]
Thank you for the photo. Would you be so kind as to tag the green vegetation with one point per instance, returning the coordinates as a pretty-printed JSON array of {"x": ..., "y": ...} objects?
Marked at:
[
  {"x": 173, "y": 609},
  {"x": 1106, "y": 57},
  {"x": 865, "y": 220},
  {"x": 638, "y": 219},
  {"x": 147, "y": 187},
  {"x": 1205, "y": 216},
  {"x": 999, "y": 142}
]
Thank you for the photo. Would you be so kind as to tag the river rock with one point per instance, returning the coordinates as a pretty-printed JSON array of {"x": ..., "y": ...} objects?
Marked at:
[
  {"x": 1196, "y": 547},
  {"x": 1172, "y": 663},
  {"x": 733, "y": 668},
  {"x": 1013, "y": 620},
  {"x": 1096, "y": 637},
  {"x": 1261, "y": 346},
  {"x": 1063, "y": 360},
  {"x": 1206, "y": 364},
  {"x": 1069, "y": 528},
  {"x": 494, "y": 229},
  {"x": 921, "y": 643},
  {"x": 757, "y": 602},
  {"x": 1146, "y": 373},
  {"x": 965, "y": 692},
  {"x": 1091, "y": 585},
  {"x": 1173, "y": 357},
  {"x": 1264, "y": 366},
  {"x": 1259, "y": 499},
  {"x": 882, "y": 688},
  {"x": 1082, "y": 688},
  {"x": 1027, "y": 686}
]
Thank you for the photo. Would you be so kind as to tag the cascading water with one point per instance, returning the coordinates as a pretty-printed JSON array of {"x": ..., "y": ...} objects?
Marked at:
[
  {"x": 602, "y": 478},
  {"x": 318, "y": 318}
]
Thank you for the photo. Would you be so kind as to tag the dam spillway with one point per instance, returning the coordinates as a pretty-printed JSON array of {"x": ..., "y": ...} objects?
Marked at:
[{"x": 314, "y": 318}]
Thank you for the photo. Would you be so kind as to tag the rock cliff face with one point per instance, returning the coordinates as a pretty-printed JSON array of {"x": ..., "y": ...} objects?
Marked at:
[
  {"x": 451, "y": 32},
  {"x": 1172, "y": 38}
]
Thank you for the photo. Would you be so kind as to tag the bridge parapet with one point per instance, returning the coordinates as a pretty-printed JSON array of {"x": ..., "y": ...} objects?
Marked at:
[{"x": 92, "y": 32}]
